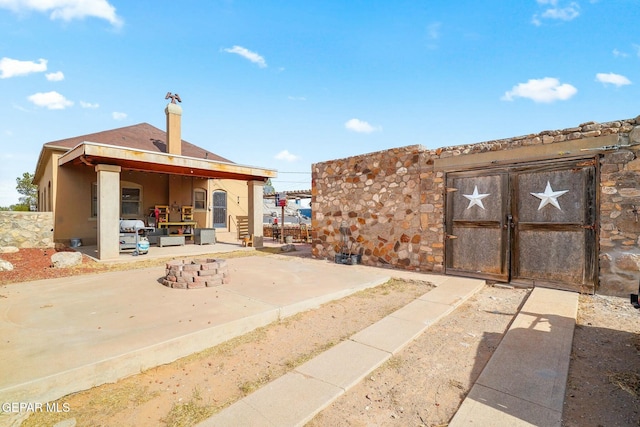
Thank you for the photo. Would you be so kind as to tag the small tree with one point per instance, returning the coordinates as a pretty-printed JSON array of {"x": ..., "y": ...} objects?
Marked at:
[
  {"x": 25, "y": 186},
  {"x": 268, "y": 187}
]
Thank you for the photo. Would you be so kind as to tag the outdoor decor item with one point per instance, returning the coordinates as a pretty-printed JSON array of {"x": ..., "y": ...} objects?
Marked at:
[{"x": 347, "y": 254}]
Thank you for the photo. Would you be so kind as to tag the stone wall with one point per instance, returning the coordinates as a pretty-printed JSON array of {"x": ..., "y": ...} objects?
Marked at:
[
  {"x": 26, "y": 229},
  {"x": 391, "y": 207},
  {"x": 620, "y": 219},
  {"x": 393, "y": 201}
]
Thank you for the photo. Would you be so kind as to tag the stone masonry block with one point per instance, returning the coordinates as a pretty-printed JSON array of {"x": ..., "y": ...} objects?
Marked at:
[
  {"x": 207, "y": 272},
  {"x": 214, "y": 281}
]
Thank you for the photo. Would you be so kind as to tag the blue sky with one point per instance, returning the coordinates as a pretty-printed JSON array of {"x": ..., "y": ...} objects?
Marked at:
[{"x": 284, "y": 84}]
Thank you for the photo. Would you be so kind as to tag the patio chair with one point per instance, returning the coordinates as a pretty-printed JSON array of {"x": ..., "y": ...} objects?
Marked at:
[{"x": 304, "y": 234}]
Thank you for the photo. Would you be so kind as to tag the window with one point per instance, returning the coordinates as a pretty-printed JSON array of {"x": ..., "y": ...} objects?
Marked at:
[
  {"x": 130, "y": 202},
  {"x": 130, "y": 199},
  {"x": 199, "y": 199}
]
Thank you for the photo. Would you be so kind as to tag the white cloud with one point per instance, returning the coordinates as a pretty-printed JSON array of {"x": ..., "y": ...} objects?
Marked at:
[
  {"x": 84, "y": 104},
  {"x": 614, "y": 79},
  {"x": 51, "y": 100},
  {"x": 14, "y": 67},
  {"x": 619, "y": 54},
  {"x": 287, "y": 156},
  {"x": 55, "y": 77},
  {"x": 566, "y": 13},
  {"x": 247, "y": 54},
  {"x": 361, "y": 126},
  {"x": 547, "y": 89},
  {"x": 297, "y": 98},
  {"x": 67, "y": 10},
  {"x": 118, "y": 116}
]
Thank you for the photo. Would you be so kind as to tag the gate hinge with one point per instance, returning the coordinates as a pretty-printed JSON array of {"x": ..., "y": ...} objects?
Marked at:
[
  {"x": 589, "y": 226},
  {"x": 451, "y": 236}
]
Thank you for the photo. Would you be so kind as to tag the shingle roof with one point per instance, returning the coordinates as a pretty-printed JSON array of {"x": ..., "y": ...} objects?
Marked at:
[{"x": 142, "y": 136}]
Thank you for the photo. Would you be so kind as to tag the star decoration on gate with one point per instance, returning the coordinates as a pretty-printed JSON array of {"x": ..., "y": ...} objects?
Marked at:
[
  {"x": 549, "y": 197},
  {"x": 475, "y": 198}
]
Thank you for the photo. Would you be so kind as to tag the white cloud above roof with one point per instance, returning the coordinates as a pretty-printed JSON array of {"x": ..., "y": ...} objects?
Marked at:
[
  {"x": 287, "y": 156},
  {"x": 548, "y": 89},
  {"x": 247, "y": 54},
  {"x": 66, "y": 10},
  {"x": 361, "y": 126},
  {"x": 50, "y": 100},
  {"x": 14, "y": 67},
  {"x": 614, "y": 79},
  {"x": 118, "y": 115}
]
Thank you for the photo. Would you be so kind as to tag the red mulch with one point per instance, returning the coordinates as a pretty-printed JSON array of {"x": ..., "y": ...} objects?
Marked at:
[{"x": 35, "y": 264}]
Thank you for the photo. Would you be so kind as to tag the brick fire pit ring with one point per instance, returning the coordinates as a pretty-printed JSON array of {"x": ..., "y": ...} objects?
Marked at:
[{"x": 196, "y": 273}]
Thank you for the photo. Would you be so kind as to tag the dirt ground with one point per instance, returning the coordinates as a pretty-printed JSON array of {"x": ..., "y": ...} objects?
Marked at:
[{"x": 421, "y": 386}]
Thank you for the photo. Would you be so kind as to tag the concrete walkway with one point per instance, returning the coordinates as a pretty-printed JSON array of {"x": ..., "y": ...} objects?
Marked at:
[
  {"x": 525, "y": 380},
  {"x": 522, "y": 385},
  {"x": 296, "y": 397},
  {"x": 64, "y": 335}
]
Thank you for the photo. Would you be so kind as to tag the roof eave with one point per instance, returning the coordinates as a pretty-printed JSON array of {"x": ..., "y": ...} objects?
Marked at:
[{"x": 93, "y": 153}]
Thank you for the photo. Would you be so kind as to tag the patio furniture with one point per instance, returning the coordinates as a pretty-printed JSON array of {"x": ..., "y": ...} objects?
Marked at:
[
  {"x": 171, "y": 240},
  {"x": 247, "y": 240},
  {"x": 152, "y": 236},
  {"x": 205, "y": 236},
  {"x": 187, "y": 227},
  {"x": 304, "y": 234}
]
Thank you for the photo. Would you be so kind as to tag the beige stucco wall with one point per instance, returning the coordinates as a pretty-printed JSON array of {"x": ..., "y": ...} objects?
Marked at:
[
  {"x": 237, "y": 199},
  {"x": 46, "y": 192},
  {"x": 72, "y": 217}
]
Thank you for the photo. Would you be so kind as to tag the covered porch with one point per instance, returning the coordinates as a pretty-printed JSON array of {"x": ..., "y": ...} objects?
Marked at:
[{"x": 112, "y": 165}]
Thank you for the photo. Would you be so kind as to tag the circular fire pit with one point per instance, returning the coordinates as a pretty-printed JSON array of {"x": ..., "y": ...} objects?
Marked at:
[{"x": 196, "y": 273}]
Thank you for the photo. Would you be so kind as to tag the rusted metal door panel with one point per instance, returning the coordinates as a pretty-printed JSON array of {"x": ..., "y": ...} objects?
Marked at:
[
  {"x": 554, "y": 225},
  {"x": 476, "y": 232}
]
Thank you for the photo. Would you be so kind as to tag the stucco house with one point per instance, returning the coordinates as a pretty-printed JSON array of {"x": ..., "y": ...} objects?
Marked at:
[{"x": 91, "y": 182}]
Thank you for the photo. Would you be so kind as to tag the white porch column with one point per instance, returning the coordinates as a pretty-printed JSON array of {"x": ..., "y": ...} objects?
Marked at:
[
  {"x": 108, "y": 211},
  {"x": 256, "y": 191}
]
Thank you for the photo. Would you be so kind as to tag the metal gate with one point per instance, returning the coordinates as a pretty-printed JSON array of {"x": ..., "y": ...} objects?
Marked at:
[
  {"x": 219, "y": 209},
  {"x": 533, "y": 224}
]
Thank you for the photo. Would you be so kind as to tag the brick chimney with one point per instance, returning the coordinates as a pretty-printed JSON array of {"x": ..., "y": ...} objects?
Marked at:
[{"x": 174, "y": 138}]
